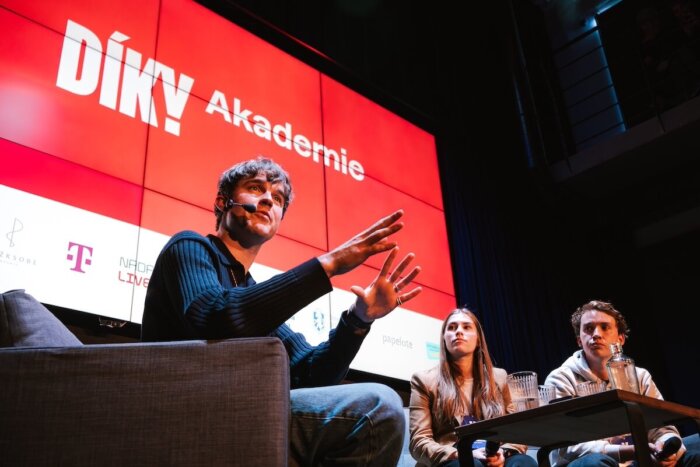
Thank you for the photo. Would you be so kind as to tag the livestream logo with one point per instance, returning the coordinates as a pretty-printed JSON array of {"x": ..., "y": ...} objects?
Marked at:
[{"x": 81, "y": 255}]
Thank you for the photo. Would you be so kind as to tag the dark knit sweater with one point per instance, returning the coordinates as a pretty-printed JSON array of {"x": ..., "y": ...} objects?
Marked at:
[{"x": 192, "y": 295}]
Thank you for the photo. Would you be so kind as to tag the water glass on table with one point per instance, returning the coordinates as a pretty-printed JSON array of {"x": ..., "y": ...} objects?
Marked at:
[
  {"x": 589, "y": 387},
  {"x": 546, "y": 393},
  {"x": 523, "y": 390}
]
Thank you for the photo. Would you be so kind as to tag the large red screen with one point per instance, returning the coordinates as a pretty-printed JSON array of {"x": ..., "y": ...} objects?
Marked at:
[{"x": 116, "y": 119}]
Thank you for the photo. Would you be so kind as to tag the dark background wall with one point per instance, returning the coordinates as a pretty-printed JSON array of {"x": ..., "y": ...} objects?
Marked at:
[{"x": 527, "y": 248}]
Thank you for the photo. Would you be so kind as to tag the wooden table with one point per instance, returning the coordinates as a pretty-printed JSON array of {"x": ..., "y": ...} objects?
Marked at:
[{"x": 576, "y": 420}]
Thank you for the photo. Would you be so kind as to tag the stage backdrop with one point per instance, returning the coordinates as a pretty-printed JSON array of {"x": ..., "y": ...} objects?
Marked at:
[{"x": 116, "y": 120}]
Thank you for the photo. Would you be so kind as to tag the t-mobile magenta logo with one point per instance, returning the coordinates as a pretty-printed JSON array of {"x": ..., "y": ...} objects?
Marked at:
[{"x": 81, "y": 256}]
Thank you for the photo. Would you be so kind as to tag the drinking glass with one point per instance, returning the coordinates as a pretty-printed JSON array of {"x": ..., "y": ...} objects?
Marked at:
[
  {"x": 546, "y": 393},
  {"x": 523, "y": 390},
  {"x": 589, "y": 387}
]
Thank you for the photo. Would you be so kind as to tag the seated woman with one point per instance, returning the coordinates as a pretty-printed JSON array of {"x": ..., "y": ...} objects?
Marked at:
[{"x": 463, "y": 388}]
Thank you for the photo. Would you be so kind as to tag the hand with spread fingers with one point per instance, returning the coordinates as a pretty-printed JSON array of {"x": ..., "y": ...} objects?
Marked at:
[
  {"x": 367, "y": 243},
  {"x": 384, "y": 294}
]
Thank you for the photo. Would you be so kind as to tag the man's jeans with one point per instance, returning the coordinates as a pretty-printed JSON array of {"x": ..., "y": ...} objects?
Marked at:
[
  {"x": 689, "y": 459},
  {"x": 349, "y": 424},
  {"x": 594, "y": 460}
]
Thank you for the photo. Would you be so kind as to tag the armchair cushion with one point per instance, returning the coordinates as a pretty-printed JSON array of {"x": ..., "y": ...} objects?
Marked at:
[{"x": 24, "y": 322}]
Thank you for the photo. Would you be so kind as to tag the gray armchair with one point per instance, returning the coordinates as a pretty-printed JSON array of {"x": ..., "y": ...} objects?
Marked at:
[{"x": 176, "y": 403}]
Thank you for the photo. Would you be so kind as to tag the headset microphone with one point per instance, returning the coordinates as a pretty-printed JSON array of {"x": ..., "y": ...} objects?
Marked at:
[{"x": 248, "y": 207}]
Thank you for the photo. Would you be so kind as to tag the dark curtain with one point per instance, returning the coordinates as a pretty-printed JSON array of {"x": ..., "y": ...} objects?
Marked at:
[
  {"x": 526, "y": 252},
  {"x": 512, "y": 258},
  {"x": 504, "y": 269}
]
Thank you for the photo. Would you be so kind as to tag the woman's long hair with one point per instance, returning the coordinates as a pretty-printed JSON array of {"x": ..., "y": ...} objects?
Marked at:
[{"x": 486, "y": 399}]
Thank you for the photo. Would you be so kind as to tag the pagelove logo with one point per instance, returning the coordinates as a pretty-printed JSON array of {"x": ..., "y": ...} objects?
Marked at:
[
  {"x": 127, "y": 86},
  {"x": 81, "y": 257}
]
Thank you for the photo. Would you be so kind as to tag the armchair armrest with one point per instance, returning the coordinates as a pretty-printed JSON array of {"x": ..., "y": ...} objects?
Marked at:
[{"x": 173, "y": 403}]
